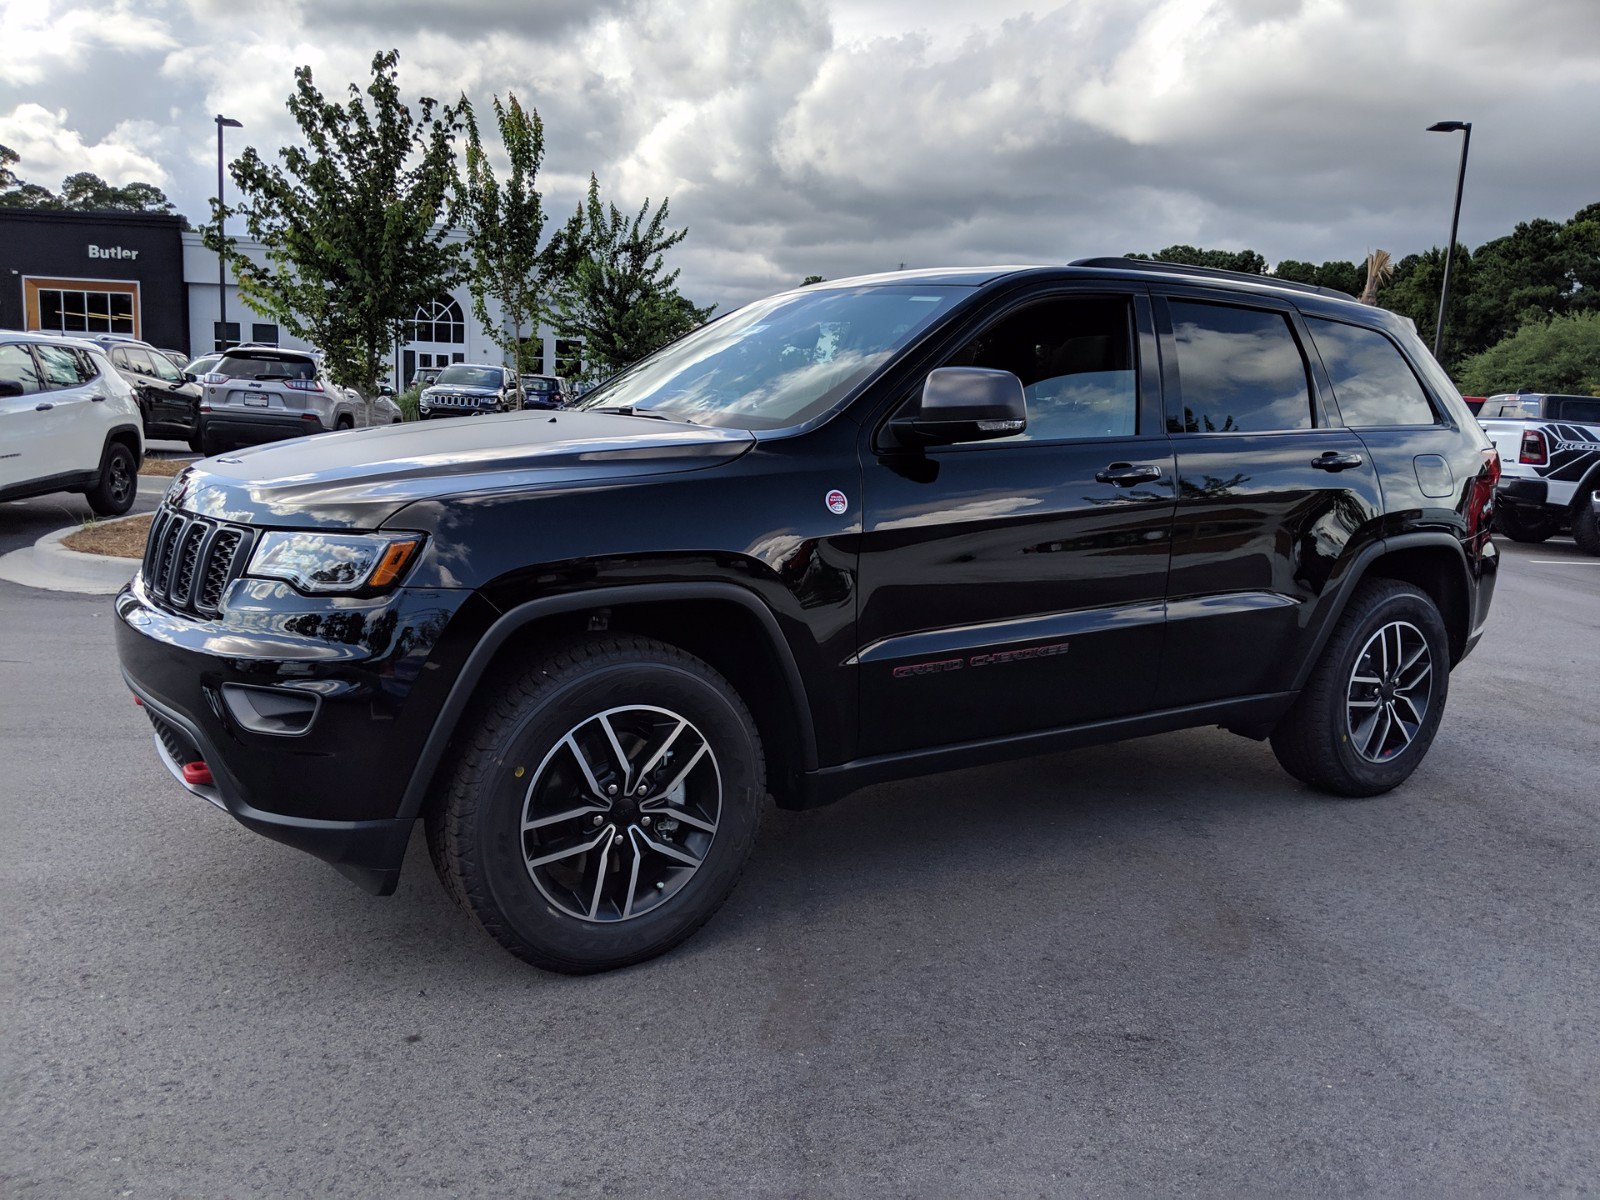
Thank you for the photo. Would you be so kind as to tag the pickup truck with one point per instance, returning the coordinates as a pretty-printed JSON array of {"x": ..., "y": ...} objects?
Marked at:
[{"x": 1550, "y": 465}]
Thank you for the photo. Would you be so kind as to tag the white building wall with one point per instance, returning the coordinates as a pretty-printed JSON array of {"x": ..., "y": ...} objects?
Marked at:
[{"x": 200, "y": 279}]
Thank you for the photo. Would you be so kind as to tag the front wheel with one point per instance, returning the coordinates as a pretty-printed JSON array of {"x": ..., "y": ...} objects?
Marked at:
[
  {"x": 604, "y": 805},
  {"x": 113, "y": 493},
  {"x": 1373, "y": 703}
]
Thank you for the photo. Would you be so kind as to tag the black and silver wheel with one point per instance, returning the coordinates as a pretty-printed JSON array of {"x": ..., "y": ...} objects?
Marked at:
[
  {"x": 114, "y": 492},
  {"x": 1374, "y": 700},
  {"x": 1586, "y": 525},
  {"x": 1531, "y": 525},
  {"x": 603, "y": 807}
]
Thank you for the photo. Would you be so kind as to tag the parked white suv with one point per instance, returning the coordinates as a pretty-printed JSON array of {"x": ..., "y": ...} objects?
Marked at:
[
  {"x": 264, "y": 394},
  {"x": 68, "y": 423}
]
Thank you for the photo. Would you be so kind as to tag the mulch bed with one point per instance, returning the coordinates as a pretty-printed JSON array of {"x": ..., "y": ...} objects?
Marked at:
[{"x": 119, "y": 539}]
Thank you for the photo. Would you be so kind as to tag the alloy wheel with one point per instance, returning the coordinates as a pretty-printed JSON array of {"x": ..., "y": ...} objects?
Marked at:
[
  {"x": 621, "y": 812},
  {"x": 1390, "y": 690}
]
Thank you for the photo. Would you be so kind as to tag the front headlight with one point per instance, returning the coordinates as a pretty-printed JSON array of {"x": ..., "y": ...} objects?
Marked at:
[{"x": 323, "y": 563}]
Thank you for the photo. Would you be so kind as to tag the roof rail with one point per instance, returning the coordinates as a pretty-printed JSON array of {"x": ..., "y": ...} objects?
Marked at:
[{"x": 1171, "y": 268}]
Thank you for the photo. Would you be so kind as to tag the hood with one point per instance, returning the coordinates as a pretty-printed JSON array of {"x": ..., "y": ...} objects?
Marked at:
[{"x": 359, "y": 480}]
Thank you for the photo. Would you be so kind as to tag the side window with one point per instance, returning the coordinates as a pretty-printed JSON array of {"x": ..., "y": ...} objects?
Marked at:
[
  {"x": 1371, "y": 380},
  {"x": 17, "y": 366},
  {"x": 61, "y": 366},
  {"x": 139, "y": 360},
  {"x": 87, "y": 368},
  {"x": 1579, "y": 410},
  {"x": 1240, "y": 371},
  {"x": 119, "y": 356},
  {"x": 162, "y": 368},
  {"x": 1075, "y": 358}
]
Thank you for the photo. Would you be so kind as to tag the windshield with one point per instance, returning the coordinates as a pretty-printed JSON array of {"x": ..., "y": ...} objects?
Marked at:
[
  {"x": 780, "y": 361},
  {"x": 464, "y": 376}
]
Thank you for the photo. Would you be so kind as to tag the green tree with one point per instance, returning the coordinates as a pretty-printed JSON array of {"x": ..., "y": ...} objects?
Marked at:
[
  {"x": 616, "y": 292},
  {"x": 810, "y": 279},
  {"x": 1347, "y": 277},
  {"x": 504, "y": 224},
  {"x": 356, "y": 221},
  {"x": 1558, "y": 354},
  {"x": 1247, "y": 261}
]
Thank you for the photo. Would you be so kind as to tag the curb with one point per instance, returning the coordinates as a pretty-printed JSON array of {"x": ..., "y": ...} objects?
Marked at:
[{"x": 50, "y": 565}]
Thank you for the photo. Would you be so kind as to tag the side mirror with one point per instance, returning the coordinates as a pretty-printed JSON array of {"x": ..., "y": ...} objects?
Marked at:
[
  {"x": 385, "y": 389},
  {"x": 10, "y": 388},
  {"x": 964, "y": 404},
  {"x": 190, "y": 377}
]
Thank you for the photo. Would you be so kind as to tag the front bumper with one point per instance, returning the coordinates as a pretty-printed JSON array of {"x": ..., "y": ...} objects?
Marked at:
[{"x": 379, "y": 671}]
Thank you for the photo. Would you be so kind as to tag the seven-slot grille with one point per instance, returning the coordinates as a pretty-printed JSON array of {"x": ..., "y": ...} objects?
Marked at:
[
  {"x": 190, "y": 560},
  {"x": 456, "y": 400}
]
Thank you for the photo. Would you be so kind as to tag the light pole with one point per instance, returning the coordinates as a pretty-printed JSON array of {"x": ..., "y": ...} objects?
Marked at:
[
  {"x": 1463, "y": 127},
  {"x": 221, "y": 264}
]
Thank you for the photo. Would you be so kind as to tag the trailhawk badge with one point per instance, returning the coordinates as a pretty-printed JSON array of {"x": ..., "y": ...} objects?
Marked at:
[{"x": 837, "y": 502}]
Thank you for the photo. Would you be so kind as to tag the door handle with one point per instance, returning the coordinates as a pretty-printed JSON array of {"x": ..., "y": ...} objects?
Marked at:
[
  {"x": 1332, "y": 460},
  {"x": 97, "y": 399},
  {"x": 1128, "y": 474},
  {"x": 44, "y": 407}
]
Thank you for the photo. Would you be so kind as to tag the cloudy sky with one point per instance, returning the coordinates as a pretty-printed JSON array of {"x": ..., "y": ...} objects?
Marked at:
[{"x": 843, "y": 136}]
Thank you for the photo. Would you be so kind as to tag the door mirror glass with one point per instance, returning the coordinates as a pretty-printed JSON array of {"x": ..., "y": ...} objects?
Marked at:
[
  {"x": 385, "y": 389},
  {"x": 965, "y": 404}
]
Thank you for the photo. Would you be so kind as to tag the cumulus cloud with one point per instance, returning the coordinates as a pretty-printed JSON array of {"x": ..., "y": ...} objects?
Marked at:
[
  {"x": 820, "y": 136},
  {"x": 50, "y": 150}
]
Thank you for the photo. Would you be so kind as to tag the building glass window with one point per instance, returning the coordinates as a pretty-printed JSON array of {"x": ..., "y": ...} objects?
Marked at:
[
  {"x": 569, "y": 358},
  {"x": 440, "y": 320},
  {"x": 265, "y": 333},
  {"x": 64, "y": 310},
  {"x": 224, "y": 335}
]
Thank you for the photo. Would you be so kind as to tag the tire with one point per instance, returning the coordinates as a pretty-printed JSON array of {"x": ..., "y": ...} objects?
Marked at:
[
  {"x": 196, "y": 439},
  {"x": 1320, "y": 740},
  {"x": 539, "y": 751},
  {"x": 211, "y": 444},
  {"x": 343, "y": 423},
  {"x": 118, "y": 486},
  {"x": 1525, "y": 525},
  {"x": 1585, "y": 528}
]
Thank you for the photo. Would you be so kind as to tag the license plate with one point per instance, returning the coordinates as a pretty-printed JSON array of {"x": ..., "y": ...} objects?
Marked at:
[{"x": 255, "y": 401}]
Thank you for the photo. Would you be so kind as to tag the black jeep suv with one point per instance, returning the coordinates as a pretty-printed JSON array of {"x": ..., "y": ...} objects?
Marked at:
[{"x": 867, "y": 529}]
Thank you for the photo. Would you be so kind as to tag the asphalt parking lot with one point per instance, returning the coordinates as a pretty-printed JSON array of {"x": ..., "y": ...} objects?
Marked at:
[{"x": 1155, "y": 968}]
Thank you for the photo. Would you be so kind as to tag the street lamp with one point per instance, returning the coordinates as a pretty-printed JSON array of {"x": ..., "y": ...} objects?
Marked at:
[
  {"x": 221, "y": 269},
  {"x": 1463, "y": 127}
]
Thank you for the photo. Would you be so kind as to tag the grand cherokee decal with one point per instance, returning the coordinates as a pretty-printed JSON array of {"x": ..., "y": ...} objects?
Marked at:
[{"x": 994, "y": 658}]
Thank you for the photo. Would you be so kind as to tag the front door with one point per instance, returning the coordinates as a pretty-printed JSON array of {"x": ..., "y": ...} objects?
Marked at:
[
  {"x": 1271, "y": 492},
  {"x": 1018, "y": 585}
]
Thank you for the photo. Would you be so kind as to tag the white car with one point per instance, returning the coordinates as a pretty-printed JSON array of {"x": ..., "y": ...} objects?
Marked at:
[{"x": 69, "y": 422}]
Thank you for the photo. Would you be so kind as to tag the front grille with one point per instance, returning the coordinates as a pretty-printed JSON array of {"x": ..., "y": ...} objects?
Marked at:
[{"x": 189, "y": 561}]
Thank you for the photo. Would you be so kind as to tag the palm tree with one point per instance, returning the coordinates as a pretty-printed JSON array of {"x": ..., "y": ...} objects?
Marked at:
[{"x": 1379, "y": 272}]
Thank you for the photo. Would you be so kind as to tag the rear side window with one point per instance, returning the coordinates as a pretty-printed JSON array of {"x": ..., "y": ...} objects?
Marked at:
[
  {"x": 1371, "y": 380},
  {"x": 1240, "y": 371},
  {"x": 1579, "y": 410},
  {"x": 266, "y": 368},
  {"x": 17, "y": 366},
  {"x": 139, "y": 360},
  {"x": 1074, "y": 356},
  {"x": 63, "y": 368}
]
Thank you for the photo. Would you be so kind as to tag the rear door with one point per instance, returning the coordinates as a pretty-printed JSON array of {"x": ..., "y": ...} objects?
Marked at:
[
  {"x": 1017, "y": 585},
  {"x": 1272, "y": 494},
  {"x": 77, "y": 423}
]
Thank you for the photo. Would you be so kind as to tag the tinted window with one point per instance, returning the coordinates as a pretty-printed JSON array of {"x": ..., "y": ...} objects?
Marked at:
[
  {"x": 1579, "y": 410},
  {"x": 1240, "y": 371},
  {"x": 139, "y": 360},
  {"x": 465, "y": 376},
  {"x": 17, "y": 365},
  {"x": 163, "y": 368},
  {"x": 63, "y": 368},
  {"x": 1371, "y": 380},
  {"x": 1075, "y": 360},
  {"x": 240, "y": 367}
]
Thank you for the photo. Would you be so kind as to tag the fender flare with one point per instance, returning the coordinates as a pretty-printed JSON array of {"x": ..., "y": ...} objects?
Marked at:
[
  {"x": 115, "y": 434},
  {"x": 1357, "y": 572},
  {"x": 509, "y": 622}
]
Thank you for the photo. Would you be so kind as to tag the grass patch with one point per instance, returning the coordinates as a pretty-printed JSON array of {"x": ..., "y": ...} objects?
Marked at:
[
  {"x": 117, "y": 539},
  {"x": 165, "y": 466}
]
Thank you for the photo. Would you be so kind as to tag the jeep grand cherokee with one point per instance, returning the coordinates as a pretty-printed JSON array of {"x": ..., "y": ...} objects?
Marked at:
[{"x": 868, "y": 529}]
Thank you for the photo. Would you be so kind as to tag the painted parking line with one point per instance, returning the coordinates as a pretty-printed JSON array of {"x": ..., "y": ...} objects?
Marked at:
[{"x": 1565, "y": 562}]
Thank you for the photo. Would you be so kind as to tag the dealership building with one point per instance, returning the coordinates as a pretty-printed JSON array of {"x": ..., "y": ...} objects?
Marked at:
[{"x": 146, "y": 276}]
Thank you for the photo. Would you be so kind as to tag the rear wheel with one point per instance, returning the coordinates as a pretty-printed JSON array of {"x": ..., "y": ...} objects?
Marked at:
[
  {"x": 604, "y": 805},
  {"x": 1373, "y": 703},
  {"x": 1525, "y": 525},
  {"x": 1585, "y": 528},
  {"x": 113, "y": 493}
]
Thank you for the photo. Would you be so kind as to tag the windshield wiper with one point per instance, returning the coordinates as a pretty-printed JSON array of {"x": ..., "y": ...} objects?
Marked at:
[{"x": 628, "y": 410}]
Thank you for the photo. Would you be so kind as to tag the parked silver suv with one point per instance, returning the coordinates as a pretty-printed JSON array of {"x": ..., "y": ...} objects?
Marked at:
[{"x": 265, "y": 394}]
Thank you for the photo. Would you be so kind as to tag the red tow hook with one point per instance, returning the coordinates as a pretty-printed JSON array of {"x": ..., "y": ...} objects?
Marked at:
[
  {"x": 138, "y": 702},
  {"x": 197, "y": 773}
]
